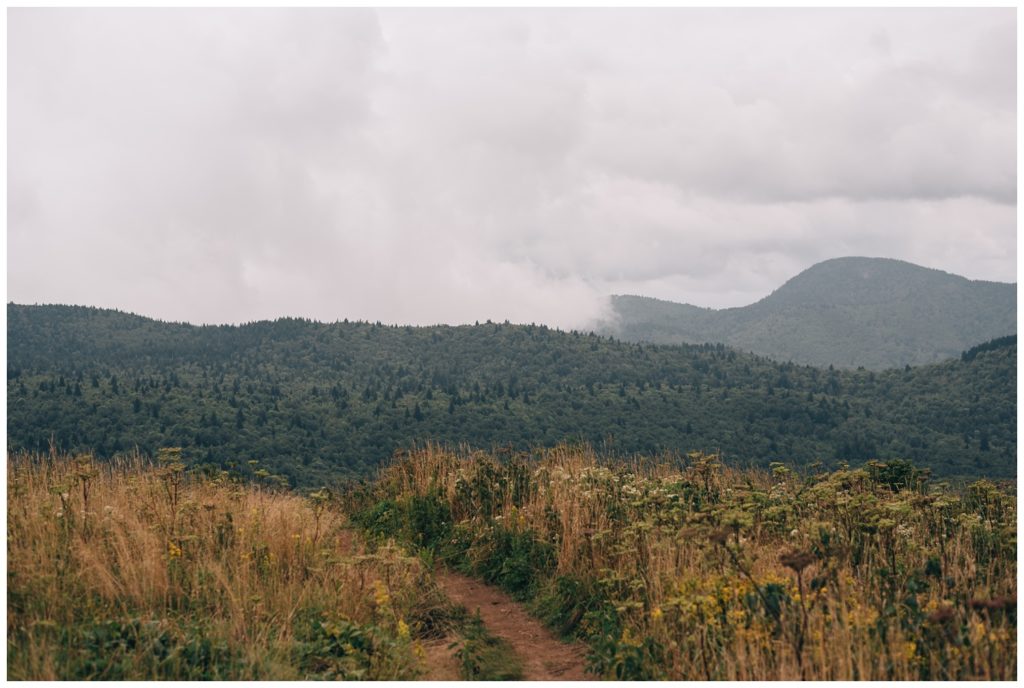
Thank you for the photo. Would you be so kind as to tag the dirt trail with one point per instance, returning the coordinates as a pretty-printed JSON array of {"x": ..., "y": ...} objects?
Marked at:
[{"x": 544, "y": 657}]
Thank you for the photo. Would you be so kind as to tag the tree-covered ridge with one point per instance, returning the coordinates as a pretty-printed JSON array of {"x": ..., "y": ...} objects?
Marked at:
[
  {"x": 848, "y": 312},
  {"x": 318, "y": 401}
]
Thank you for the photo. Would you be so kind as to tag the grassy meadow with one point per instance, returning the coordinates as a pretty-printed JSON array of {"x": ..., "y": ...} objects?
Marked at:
[
  {"x": 677, "y": 568},
  {"x": 130, "y": 570},
  {"x": 692, "y": 570}
]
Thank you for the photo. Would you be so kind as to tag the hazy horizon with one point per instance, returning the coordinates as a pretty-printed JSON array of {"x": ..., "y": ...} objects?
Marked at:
[
  {"x": 453, "y": 166},
  {"x": 609, "y": 315}
]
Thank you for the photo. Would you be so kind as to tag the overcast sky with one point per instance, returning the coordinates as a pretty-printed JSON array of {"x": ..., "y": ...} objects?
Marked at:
[{"x": 420, "y": 166}]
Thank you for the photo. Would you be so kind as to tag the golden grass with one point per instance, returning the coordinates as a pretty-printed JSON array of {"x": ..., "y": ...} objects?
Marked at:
[{"x": 134, "y": 570}]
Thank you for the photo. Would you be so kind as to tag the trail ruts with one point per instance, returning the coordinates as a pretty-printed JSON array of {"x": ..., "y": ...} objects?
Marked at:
[{"x": 544, "y": 657}]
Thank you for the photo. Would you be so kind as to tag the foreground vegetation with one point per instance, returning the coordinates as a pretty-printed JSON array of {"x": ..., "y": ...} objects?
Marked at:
[
  {"x": 688, "y": 569},
  {"x": 317, "y": 402},
  {"x": 135, "y": 571},
  {"x": 675, "y": 568}
]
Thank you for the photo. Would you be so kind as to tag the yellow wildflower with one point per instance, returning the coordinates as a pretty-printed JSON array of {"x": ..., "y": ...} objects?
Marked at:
[
  {"x": 173, "y": 551},
  {"x": 998, "y": 635},
  {"x": 380, "y": 594},
  {"x": 909, "y": 650},
  {"x": 403, "y": 629},
  {"x": 628, "y": 639},
  {"x": 656, "y": 614}
]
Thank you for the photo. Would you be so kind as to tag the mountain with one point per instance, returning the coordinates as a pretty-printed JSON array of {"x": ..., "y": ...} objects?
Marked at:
[
  {"x": 316, "y": 401},
  {"x": 847, "y": 312}
]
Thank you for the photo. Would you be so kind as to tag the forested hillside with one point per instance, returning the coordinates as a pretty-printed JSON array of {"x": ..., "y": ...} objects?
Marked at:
[
  {"x": 847, "y": 312},
  {"x": 318, "y": 401}
]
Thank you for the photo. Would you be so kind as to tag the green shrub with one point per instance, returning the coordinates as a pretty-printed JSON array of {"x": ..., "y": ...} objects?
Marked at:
[
  {"x": 616, "y": 655},
  {"x": 338, "y": 649},
  {"x": 116, "y": 650},
  {"x": 564, "y": 602},
  {"x": 382, "y": 519},
  {"x": 897, "y": 474},
  {"x": 516, "y": 560},
  {"x": 428, "y": 518}
]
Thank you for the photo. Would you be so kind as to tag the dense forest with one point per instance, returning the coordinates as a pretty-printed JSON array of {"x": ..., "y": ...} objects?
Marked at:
[
  {"x": 847, "y": 312},
  {"x": 316, "y": 402}
]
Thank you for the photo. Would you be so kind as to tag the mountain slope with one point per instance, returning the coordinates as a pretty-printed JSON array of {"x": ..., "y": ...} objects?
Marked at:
[
  {"x": 317, "y": 401},
  {"x": 848, "y": 312}
]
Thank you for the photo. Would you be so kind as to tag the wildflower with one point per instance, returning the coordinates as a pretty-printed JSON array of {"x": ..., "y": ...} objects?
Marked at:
[
  {"x": 999, "y": 635},
  {"x": 656, "y": 614},
  {"x": 380, "y": 594},
  {"x": 909, "y": 650},
  {"x": 403, "y": 629},
  {"x": 736, "y": 616},
  {"x": 173, "y": 551}
]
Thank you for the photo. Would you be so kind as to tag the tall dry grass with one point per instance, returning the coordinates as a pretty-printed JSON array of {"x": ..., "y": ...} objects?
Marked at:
[
  {"x": 132, "y": 569},
  {"x": 711, "y": 572}
]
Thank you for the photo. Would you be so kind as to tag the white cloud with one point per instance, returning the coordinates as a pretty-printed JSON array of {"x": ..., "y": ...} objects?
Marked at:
[{"x": 458, "y": 165}]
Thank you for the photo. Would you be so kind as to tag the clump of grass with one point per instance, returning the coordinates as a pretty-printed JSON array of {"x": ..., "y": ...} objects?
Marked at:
[
  {"x": 142, "y": 570},
  {"x": 483, "y": 657},
  {"x": 690, "y": 569}
]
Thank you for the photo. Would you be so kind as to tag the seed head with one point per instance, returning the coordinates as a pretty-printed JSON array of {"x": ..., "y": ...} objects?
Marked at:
[
  {"x": 941, "y": 615},
  {"x": 797, "y": 560}
]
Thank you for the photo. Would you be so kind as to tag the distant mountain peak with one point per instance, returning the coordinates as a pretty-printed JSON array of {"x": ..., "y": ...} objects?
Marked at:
[{"x": 850, "y": 311}]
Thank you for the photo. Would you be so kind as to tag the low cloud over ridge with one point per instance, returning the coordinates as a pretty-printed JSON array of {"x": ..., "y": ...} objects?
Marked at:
[{"x": 423, "y": 166}]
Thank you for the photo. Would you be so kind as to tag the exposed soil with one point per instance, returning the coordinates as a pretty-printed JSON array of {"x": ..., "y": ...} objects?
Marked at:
[{"x": 544, "y": 657}]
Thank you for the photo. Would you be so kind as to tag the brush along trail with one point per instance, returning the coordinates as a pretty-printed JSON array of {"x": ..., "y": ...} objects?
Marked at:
[{"x": 544, "y": 657}]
